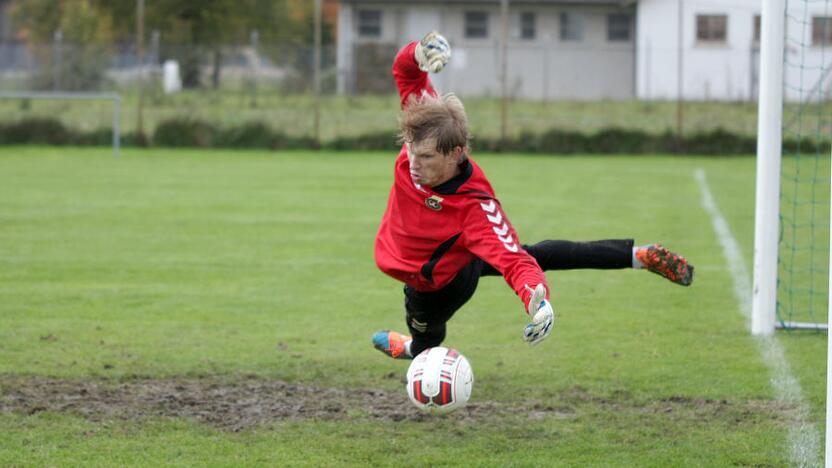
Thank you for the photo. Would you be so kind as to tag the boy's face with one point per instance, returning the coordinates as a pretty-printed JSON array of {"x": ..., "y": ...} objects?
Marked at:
[{"x": 428, "y": 166}]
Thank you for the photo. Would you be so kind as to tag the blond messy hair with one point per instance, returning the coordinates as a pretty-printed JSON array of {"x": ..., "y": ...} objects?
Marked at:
[{"x": 439, "y": 117}]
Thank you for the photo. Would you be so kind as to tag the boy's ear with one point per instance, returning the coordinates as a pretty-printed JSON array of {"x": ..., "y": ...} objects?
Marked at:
[{"x": 458, "y": 152}]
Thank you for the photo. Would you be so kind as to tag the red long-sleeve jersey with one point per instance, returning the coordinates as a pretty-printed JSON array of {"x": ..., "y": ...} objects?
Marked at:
[{"x": 428, "y": 234}]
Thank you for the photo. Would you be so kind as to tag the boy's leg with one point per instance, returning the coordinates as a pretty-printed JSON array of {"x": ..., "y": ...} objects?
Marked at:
[
  {"x": 607, "y": 255},
  {"x": 427, "y": 313},
  {"x": 610, "y": 254},
  {"x": 567, "y": 255}
]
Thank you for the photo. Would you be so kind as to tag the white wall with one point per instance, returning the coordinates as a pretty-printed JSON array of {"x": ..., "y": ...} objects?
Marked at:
[
  {"x": 542, "y": 68},
  {"x": 726, "y": 71},
  {"x": 709, "y": 71}
]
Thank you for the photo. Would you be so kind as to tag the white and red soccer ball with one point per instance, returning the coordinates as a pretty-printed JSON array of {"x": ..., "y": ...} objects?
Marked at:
[{"x": 439, "y": 380}]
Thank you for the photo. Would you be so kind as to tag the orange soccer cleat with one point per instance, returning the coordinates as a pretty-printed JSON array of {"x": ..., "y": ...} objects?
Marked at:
[{"x": 663, "y": 262}]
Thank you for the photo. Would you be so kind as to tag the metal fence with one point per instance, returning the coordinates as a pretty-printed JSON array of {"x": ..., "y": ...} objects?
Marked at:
[
  {"x": 271, "y": 83},
  {"x": 64, "y": 66}
]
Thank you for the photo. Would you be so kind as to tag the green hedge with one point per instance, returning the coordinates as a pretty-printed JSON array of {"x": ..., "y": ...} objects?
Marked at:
[{"x": 185, "y": 132}]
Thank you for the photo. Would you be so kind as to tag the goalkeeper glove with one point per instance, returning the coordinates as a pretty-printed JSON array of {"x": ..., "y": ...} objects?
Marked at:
[
  {"x": 433, "y": 52},
  {"x": 542, "y": 314}
]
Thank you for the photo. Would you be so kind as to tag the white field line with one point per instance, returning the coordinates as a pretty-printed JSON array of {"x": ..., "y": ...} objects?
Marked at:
[{"x": 804, "y": 439}]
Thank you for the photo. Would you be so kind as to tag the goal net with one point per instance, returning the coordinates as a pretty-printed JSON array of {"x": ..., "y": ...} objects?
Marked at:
[{"x": 803, "y": 250}]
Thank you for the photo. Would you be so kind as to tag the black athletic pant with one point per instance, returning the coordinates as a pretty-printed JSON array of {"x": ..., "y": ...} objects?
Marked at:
[{"x": 427, "y": 312}]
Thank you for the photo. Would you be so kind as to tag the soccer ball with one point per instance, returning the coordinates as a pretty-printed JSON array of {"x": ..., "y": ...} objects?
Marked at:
[{"x": 439, "y": 380}]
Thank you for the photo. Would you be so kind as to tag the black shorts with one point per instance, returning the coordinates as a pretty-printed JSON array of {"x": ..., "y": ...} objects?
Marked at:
[{"x": 427, "y": 312}]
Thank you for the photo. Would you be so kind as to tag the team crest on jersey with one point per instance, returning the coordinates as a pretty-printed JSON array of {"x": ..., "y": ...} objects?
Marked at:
[{"x": 434, "y": 202}]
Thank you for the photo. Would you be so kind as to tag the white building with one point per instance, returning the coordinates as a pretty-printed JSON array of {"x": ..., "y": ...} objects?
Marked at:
[
  {"x": 719, "y": 53},
  {"x": 557, "y": 49},
  {"x": 589, "y": 49}
]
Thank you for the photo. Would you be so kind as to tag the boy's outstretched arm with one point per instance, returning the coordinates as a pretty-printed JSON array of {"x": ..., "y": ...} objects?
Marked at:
[{"x": 414, "y": 60}]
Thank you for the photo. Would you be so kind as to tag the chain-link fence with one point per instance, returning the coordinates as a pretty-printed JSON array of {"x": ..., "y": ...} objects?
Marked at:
[
  {"x": 223, "y": 84},
  {"x": 64, "y": 66},
  {"x": 271, "y": 84}
]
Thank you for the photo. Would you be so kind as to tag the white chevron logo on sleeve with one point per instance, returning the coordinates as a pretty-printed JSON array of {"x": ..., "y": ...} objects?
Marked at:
[
  {"x": 496, "y": 219},
  {"x": 501, "y": 231}
]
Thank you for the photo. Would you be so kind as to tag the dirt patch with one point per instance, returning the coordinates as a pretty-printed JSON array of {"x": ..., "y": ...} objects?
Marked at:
[
  {"x": 238, "y": 404},
  {"x": 231, "y": 405}
]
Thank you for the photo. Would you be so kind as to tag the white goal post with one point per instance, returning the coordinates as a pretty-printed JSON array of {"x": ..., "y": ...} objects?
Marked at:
[
  {"x": 769, "y": 152},
  {"x": 66, "y": 96}
]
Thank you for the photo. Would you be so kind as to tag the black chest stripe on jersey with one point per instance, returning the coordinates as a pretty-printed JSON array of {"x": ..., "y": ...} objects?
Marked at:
[
  {"x": 480, "y": 193},
  {"x": 427, "y": 268},
  {"x": 450, "y": 187}
]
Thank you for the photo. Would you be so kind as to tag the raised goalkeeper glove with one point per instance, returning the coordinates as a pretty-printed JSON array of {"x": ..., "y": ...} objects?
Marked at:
[
  {"x": 542, "y": 314},
  {"x": 433, "y": 52}
]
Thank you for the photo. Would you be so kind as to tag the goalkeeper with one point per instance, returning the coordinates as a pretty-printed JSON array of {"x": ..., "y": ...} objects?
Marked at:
[{"x": 444, "y": 228}]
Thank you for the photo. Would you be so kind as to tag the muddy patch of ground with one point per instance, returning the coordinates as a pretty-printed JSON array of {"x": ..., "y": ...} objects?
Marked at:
[
  {"x": 238, "y": 404},
  {"x": 232, "y": 405}
]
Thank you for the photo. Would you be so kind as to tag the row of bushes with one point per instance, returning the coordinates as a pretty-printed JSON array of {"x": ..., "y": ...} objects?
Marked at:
[{"x": 197, "y": 133}]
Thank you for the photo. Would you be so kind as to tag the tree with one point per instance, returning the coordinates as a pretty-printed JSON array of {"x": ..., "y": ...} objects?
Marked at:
[
  {"x": 68, "y": 38},
  {"x": 191, "y": 30},
  {"x": 195, "y": 29}
]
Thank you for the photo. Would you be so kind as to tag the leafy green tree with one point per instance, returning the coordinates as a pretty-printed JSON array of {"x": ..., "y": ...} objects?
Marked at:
[
  {"x": 193, "y": 30},
  {"x": 68, "y": 40}
]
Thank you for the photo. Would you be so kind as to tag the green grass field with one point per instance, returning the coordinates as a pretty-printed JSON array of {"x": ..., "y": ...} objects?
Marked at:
[{"x": 215, "y": 308}]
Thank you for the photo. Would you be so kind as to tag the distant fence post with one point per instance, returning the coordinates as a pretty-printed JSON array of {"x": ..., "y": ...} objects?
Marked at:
[
  {"x": 504, "y": 68},
  {"x": 140, "y": 52},
  {"x": 316, "y": 72},
  {"x": 116, "y": 125},
  {"x": 57, "y": 45},
  {"x": 680, "y": 84},
  {"x": 254, "y": 38},
  {"x": 154, "y": 48}
]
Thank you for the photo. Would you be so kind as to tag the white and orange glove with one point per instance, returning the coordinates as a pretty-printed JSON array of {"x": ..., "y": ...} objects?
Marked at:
[
  {"x": 542, "y": 315},
  {"x": 433, "y": 52}
]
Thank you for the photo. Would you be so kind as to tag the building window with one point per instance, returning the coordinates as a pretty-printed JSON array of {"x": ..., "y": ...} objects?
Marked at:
[
  {"x": 711, "y": 28},
  {"x": 571, "y": 27},
  {"x": 369, "y": 23},
  {"x": 757, "y": 27},
  {"x": 476, "y": 24},
  {"x": 821, "y": 31},
  {"x": 527, "y": 25},
  {"x": 619, "y": 27}
]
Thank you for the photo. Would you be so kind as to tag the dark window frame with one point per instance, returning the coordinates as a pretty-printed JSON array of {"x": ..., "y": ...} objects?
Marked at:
[
  {"x": 615, "y": 21},
  {"x": 571, "y": 31},
  {"x": 712, "y": 28},
  {"x": 476, "y": 24},
  {"x": 821, "y": 31},
  {"x": 528, "y": 25},
  {"x": 757, "y": 29},
  {"x": 369, "y": 23}
]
